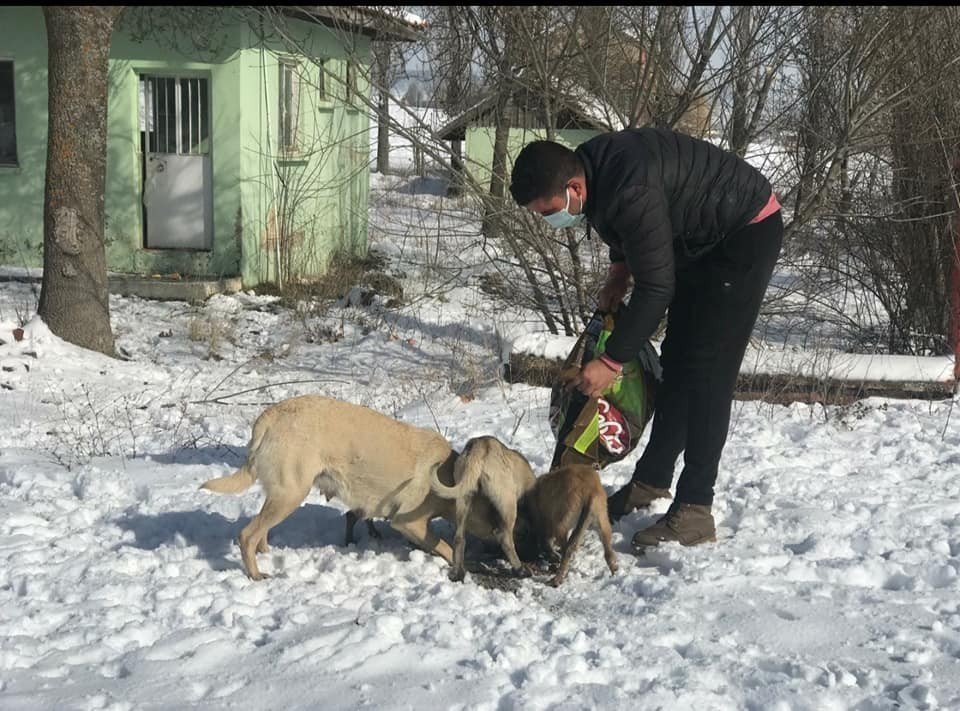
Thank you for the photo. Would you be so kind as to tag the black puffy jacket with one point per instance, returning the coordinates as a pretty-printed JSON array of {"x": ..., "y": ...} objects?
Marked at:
[{"x": 658, "y": 197}]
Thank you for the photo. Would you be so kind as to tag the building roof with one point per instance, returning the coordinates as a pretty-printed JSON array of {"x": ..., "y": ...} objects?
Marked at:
[
  {"x": 381, "y": 22},
  {"x": 590, "y": 111}
]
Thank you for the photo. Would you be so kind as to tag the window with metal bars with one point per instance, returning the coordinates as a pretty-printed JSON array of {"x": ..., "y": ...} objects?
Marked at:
[{"x": 175, "y": 114}]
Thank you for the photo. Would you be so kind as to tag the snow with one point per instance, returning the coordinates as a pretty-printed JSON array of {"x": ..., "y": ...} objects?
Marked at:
[
  {"x": 542, "y": 345},
  {"x": 409, "y": 18},
  {"x": 767, "y": 359},
  {"x": 858, "y": 367},
  {"x": 835, "y": 582},
  {"x": 413, "y": 19}
]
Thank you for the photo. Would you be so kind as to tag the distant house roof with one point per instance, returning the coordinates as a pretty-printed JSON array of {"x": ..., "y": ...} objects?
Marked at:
[
  {"x": 382, "y": 23},
  {"x": 585, "y": 112}
]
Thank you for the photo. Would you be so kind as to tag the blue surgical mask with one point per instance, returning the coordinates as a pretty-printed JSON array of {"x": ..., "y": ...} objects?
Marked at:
[{"x": 562, "y": 218}]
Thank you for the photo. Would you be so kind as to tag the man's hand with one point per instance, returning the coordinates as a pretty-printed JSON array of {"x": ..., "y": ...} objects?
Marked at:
[
  {"x": 595, "y": 377},
  {"x": 614, "y": 288}
]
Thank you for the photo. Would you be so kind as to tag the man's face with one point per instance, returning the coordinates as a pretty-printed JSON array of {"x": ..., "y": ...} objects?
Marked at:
[{"x": 575, "y": 189}]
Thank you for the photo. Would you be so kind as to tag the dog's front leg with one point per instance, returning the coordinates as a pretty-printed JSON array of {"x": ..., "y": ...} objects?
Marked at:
[
  {"x": 553, "y": 554},
  {"x": 571, "y": 546}
]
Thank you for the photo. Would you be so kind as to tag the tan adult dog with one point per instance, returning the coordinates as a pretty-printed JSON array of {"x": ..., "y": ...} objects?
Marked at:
[
  {"x": 487, "y": 469},
  {"x": 378, "y": 466},
  {"x": 569, "y": 497}
]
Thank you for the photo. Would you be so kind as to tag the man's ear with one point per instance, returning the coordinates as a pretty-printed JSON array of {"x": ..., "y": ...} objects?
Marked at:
[{"x": 579, "y": 185}]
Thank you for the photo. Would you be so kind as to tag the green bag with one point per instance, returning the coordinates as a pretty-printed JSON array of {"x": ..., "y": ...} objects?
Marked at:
[{"x": 600, "y": 431}]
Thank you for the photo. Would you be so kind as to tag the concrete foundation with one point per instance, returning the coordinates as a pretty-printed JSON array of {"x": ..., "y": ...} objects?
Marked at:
[{"x": 193, "y": 289}]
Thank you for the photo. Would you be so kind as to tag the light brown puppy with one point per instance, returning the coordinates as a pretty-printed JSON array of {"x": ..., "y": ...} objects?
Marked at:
[
  {"x": 487, "y": 469},
  {"x": 378, "y": 466},
  {"x": 569, "y": 497}
]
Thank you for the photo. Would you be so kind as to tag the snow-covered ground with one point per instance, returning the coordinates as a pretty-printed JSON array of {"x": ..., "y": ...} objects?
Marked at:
[{"x": 834, "y": 583}]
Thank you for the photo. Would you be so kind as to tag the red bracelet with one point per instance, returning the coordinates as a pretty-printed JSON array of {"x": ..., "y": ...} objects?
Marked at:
[{"x": 611, "y": 363}]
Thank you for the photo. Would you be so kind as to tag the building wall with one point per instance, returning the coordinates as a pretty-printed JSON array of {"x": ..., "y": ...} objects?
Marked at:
[
  {"x": 24, "y": 40},
  {"x": 300, "y": 209},
  {"x": 327, "y": 185},
  {"x": 478, "y": 148},
  {"x": 124, "y": 224}
]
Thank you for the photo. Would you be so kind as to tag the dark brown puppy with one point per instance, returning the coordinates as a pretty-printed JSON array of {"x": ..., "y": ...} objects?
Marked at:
[{"x": 569, "y": 497}]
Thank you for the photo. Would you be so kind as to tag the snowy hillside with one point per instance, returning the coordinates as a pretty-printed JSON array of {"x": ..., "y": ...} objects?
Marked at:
[{"x": 834, "y": 583}]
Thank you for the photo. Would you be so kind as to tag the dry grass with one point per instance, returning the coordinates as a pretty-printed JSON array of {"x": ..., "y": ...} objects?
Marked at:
[
  {"x": 344, "y": 273},
  {"x": 213, "y": 332}
]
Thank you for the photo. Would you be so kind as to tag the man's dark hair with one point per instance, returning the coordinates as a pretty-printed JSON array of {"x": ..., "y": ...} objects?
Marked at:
[{"x": 541, "y": 170}]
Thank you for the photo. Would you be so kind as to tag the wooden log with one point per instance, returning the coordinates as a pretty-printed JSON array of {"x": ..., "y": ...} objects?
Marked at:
[{"x": 779, "y": 389}]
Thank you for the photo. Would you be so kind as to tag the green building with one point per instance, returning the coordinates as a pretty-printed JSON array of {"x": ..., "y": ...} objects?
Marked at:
[
  {"x": 473, "y": 132},
  {"x": 246, "y": 157}
]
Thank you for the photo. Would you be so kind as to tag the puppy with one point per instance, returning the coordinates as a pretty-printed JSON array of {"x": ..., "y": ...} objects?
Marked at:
[
  {"x": 487, "y": 468},
  {"x": 379, "y": 467},
  {"x": 569, "y": 497}
]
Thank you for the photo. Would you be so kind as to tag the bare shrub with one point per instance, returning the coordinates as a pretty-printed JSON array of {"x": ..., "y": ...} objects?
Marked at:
[{"x": 212, "y": 332}]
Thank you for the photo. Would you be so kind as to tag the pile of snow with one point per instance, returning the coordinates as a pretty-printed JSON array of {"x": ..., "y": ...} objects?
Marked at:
[
  {"x": 35, "y": 339},
  {"x": 834, "y": 365},
  {"x": 541, "y": 345}
]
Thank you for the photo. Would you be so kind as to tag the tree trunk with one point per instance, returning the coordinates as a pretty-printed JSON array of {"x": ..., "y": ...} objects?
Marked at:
[
  {"x": 498, "y": 176},
  {"x": 743, "y": 47},
  {"x": 74, "y": 300},
  {"x": 456, "y": 187},
  {"x": 811, "y": 141},
  {"x": 498, "y": 179},
  {"x": 382, "y": 57}
]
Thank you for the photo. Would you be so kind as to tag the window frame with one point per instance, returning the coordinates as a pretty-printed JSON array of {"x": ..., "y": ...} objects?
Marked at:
[
  {"x": 288, "y": 131},
  {"x": 350, "y": 80},
  {"x": 322, "y": 93},
  {"x": 15, "y": 161}
]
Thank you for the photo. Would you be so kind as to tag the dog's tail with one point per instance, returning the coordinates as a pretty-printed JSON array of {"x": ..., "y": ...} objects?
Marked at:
[
  {"x": 240, "y": 480},
  {"x": 466, "y": 472},
  {"x": 243, "y": 478}
]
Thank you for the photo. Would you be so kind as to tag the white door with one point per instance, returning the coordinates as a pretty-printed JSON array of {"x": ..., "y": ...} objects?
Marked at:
[{"x": 177, "y": 174}]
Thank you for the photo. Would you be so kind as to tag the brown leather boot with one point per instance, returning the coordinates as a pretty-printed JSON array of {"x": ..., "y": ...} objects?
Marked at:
[
  {"x": 632, "y": 496},
  {"x": 687, "y": 524}
]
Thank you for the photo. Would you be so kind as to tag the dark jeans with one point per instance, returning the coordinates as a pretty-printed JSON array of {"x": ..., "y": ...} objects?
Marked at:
[{"x": 709, "y": 323}]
